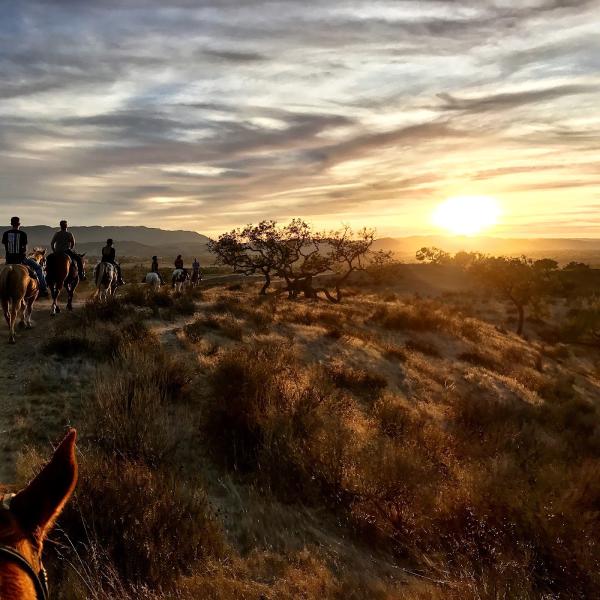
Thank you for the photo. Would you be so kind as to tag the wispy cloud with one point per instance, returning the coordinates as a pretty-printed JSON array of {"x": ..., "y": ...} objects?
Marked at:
[{"x": 236, "y": 110}]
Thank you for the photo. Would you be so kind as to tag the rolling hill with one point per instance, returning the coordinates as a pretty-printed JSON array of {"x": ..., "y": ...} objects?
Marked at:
[{"x": 130, "y": 241}]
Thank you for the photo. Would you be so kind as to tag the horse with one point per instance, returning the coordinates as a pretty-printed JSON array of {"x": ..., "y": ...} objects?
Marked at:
[
  {"x": 18, "y": 291},
  {"x": 61, "y": 271},
  {"x": 105, "y": 278},
  {"x": 179, "y": 278},
  {"x": 39, "y": 255},
  {"x": 25, "y": 520},
  {"x": 196, "y": 278},
  {"x": 153, "y": 280}
]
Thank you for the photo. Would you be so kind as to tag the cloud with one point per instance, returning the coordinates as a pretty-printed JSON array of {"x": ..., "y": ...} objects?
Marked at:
[
  {"x": 261, "y": 109},
  {"x": 508, "y": 100}
]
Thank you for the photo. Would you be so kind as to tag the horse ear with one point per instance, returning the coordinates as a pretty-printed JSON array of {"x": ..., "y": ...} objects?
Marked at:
[
  {"x": 38, "y": 505},
  {"x": 82, "y": 255}
]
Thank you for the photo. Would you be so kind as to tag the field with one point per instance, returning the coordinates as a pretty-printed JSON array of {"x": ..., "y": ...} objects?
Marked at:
[{"x": 404, "y": 443}]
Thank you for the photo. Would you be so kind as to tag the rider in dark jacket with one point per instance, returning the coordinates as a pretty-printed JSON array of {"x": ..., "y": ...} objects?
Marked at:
[
  {"x": 154, "y": 269},
  {"x": 15, "y": 244},
  {"x": 108, "y": 256},
  {"x": 179, "y": 262}
]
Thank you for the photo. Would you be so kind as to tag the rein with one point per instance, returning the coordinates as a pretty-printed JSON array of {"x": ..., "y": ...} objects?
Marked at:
[{"x": 9, "y": 554}]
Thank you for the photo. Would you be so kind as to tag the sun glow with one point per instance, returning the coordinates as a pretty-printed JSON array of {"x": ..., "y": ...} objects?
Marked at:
[{"x": 467, "y": 215}]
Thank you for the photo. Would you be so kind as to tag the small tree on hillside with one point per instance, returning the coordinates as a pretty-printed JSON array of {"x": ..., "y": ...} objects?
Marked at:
[
  {"x": 349, "y": 253},
  {"x": 433, "y": 256},
  {"x": 576, "y": 266},
  {"x": 518, "y": 280},
  {"x": 253, "y": 249}
]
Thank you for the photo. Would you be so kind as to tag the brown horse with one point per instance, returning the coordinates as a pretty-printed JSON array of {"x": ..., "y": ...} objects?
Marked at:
[
  {"x": 18, "y": 291},
  {"x": 25, "y": 520},
  {"x": 62, "y": 271}
]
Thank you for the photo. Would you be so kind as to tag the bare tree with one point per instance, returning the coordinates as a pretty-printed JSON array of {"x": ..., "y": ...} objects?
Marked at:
[
  {"x": 253, "y": 249},
  {"x": 296, "y": 254}
]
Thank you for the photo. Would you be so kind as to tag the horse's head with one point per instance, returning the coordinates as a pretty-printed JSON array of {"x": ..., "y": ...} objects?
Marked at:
[
  {"x": 39, "y": 255},
  {"x": 25, "y": 520}
]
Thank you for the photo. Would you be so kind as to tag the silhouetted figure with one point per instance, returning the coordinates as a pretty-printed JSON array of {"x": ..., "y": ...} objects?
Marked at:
[
  {"x": 15, "y": 245},
  {"x": 109, "y": 256},
  {"x": 64, "y": 242}
]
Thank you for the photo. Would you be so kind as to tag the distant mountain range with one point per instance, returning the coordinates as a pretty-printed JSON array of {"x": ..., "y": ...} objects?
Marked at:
[
  {"x": 130, "y": 241},
  {"x": 561, "y": 249},
  {"x": 142, "y": 242}
]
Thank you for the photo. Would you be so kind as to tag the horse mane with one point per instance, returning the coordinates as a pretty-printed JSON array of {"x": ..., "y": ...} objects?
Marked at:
[{"x": 38, "y": 253}]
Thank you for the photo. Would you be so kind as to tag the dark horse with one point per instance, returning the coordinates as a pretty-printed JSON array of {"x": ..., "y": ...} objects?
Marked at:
[{"x": 62, "y": 271}]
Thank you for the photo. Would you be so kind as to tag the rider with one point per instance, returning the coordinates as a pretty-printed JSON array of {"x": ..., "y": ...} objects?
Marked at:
[
  {"x": 179, "y": 262},
  {"x": 108, "y": 256},
  {"x": 196, "y": 269},
  {"x": 64, "y": 242},
  {"x": 15, "y": 243},
  {"x": 154, "y": 269}
]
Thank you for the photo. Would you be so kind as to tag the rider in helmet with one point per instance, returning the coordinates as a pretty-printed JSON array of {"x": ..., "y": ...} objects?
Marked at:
[
  {"x": 15, "y": 244},
  {"x": 64, "y": 242},
  {"x": 109, "y": 256}
]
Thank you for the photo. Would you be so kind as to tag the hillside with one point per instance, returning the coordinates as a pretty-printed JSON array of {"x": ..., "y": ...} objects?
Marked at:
[{"x": 403, "y": 444}]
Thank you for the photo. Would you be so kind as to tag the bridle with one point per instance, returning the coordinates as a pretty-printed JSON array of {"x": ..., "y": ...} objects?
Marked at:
[{"x": 9, "y": 554}]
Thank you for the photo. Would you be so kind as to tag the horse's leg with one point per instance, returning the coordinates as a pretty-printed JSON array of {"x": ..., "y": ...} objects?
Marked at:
[
  {"x": 14, "y": 309},
  {"x": 55, "y": 291},
  {"x": 21, "y": 313},
  {"x": 6, "y": 310},
  {"x": 28, "y": 312},
  {"x": 70, "y": 291}
]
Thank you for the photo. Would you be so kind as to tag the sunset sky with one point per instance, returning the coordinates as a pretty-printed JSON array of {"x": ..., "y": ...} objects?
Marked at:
[{"x": 211, "y": 114}]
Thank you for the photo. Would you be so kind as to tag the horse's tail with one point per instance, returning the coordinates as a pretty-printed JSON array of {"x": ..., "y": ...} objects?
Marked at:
[
  {"x": 99, "y": 274},
  {"x": 9, "y": 284},
  {"x": 5, "y": 276}
]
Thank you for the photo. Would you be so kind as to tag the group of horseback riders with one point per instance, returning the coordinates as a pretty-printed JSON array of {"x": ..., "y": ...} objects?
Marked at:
[{"x": 63, "y": 242}]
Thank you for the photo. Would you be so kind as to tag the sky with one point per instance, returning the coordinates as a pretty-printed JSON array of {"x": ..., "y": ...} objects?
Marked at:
[{"x": 210, "y": 114}]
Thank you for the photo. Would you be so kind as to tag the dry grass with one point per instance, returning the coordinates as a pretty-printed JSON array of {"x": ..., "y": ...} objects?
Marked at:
[
  {"x": 130, "y": 526},
  {"x": 130, "y": 412},
  {"x": 435, "y": 438}
]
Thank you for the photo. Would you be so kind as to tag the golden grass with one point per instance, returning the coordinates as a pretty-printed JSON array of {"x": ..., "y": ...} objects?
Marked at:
[{"x": 427, "y": 435}]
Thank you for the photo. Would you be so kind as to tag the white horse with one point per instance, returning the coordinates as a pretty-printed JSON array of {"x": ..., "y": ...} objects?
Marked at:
[
  {"x": 153, "y": 280},
  {"x": 105, "y": 278},
  {"x": 179, "y": 279}
]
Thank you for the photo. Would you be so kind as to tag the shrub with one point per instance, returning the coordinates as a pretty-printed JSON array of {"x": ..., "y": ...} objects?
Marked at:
[
  {"x": 421, "y": 316},
  {"x": 129, "y": 412},
  {"x": 423, "y": 346},
  {"x": 227, "y": 325},
  {"x": 359, "y": 381},
  {"x": 184, "y": 305},
  {"x": 265, "y": 411}
]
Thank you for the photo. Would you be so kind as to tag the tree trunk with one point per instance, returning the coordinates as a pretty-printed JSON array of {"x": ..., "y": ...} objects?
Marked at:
[
  {"x": 263, "y": 290},
  {"x": 521, "y": 310}
]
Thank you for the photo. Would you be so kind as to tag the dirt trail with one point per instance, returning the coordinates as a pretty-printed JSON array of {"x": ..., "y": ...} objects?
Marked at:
[{"x": 28, "y": 406}]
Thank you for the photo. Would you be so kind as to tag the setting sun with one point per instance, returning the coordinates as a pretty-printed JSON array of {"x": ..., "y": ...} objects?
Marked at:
[{"x": 467, "y": 215}]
